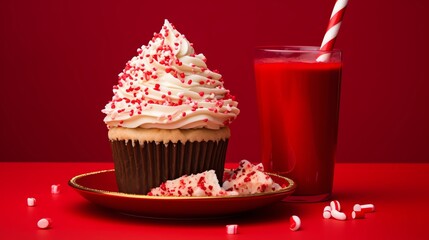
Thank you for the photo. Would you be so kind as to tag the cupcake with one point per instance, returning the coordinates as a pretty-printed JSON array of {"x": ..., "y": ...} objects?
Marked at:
[{"x": 169, "y": 115}]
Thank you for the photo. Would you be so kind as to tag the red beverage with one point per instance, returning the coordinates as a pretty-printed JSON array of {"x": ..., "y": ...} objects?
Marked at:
[{"x": 299, "y": 107}]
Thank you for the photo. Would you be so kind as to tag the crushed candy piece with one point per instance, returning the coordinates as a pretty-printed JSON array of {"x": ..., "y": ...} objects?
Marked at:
[
  {"x": 246, "y": 179},
  {"x": 249, "y": 179}
]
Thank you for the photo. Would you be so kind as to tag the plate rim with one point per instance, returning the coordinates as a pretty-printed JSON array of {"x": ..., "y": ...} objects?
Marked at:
[{"x": 73, "y": 183}]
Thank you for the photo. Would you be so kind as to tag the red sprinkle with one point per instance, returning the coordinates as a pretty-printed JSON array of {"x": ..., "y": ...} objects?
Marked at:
[{"x": 190, "y": 191}]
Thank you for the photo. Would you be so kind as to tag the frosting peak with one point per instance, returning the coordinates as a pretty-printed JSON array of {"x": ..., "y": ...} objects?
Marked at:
[{"x": 168, "y": 86}]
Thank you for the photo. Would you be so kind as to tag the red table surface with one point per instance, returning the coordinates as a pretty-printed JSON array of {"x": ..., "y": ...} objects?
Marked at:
[{"x": 400, "y": 193}]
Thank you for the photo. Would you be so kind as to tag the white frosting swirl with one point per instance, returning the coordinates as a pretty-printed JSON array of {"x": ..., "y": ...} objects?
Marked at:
[{"x": 168, "y": 86}]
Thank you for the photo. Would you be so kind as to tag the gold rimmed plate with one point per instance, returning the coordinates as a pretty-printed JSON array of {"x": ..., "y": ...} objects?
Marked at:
[{"x": 100, "y": 188}]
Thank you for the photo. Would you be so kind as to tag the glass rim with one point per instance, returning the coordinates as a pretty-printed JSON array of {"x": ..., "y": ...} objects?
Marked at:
[{"x": 294, "y": 49}]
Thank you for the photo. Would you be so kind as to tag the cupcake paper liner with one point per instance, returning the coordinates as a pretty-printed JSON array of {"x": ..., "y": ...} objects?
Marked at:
[{"x": 141, "y": 167}]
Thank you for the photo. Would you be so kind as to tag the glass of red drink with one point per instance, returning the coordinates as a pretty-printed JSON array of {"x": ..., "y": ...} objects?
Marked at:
[{"x": 298, "y": 100}]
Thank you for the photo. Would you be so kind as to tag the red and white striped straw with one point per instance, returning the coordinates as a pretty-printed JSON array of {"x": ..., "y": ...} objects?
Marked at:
[{"x": 332, "y": 29}]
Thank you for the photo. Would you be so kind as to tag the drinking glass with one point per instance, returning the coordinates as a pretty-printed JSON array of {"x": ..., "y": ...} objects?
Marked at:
[{"x": 298, "y": 100}]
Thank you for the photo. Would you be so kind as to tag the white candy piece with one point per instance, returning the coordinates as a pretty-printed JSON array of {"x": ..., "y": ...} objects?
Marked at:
[
  {"x": 335, "y": 205},
  {"x": 338, "y": 215},
  {"x": 55, "y": 188},
  {"x": 232, "y": 229},
  {"x": 295, "y": 223},
  {"x": 31, "y": 202},
  {"x": 327, "y": 212},
  {"x": 366, "y": 208},
  {"x": 44, "y": 223},
  {"x": 357, "y": 208},
  {"x": 358, "y": 214}
]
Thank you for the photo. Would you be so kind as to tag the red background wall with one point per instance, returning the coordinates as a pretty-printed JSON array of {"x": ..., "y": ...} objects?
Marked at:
[{"x": 60, "y": 59}]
